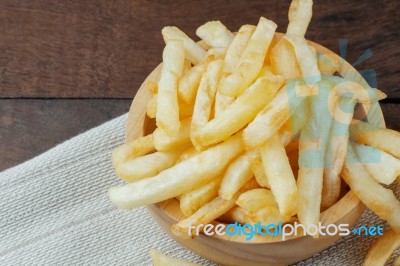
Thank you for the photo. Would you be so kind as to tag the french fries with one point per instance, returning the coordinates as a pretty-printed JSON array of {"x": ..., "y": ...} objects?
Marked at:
[
  {"x": 167, "y": 115},
  {"x": 256, "y": 199},
  {"x": 208, "y": 212},
  {"x": 160, "y": 259},
  {"x": 136, "y": 148},
  {"x": 191, "y": 201},
  {"x": 268, "y": 122},
  {"x": 146, "y": 166},
  {"x": 381, "y": 138},
  {"x": 312, "y": 149},
  {"x": 237, "y": 174},
  {"x": 382, "y": 166},
  {"x": 380, "y": 200},
  {"x": 300, "y": 13},
  {"x": 382, "y": 248},
  {"x": 215, "y": 34},
  {"x": 251, "y": 60},
  {"x": 255, "y": 128},
  {"x": 241, "y": 111},
  {"x": 193, "y": 52},
  {"x": 179, "y": 179},
  {"x": 280, "y": 176}
]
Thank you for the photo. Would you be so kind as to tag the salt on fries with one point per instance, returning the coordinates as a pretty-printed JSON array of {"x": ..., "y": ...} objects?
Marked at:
[{"x": 252, "y": 128}]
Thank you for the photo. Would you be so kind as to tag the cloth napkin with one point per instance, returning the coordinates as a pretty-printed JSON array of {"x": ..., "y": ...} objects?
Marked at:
[{"x": 55, "y": 211}]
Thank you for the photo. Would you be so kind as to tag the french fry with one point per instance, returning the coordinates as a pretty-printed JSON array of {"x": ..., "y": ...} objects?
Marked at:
[
  {"x": 251, "y": 60},
  {"x": 215, "y": 34},
  {"x": 216, "y": 53},
  {"x": 205, "y": 98},
  {"x": 284, "y": 61},
  {"x": 292, "y": 126},
  {"x": 185, "y": 109},
  {"x": 167, "y": 116},
  {"x": 194, "y": 52},
  {"x": 180, "y": 178},
  {"x": 382, "y": 248},
  {"x": 300, "y": 13},
  {"x": 166, "y": 142},
  {"x": 151, "y": 107},
  {"x": 275, "y": 114},
  {"x": 241, "y": 111},
  {"x": 191, "y": 201},
  {"x": 207, "y": 213},
  {"x": 237, "y": 47},
  {"x": 312, "y": 151},
  {"x": 190, "y": 81},
  {"x": 257, "y": 168},
  {"x": 237, "y": 174},
  {"x": 152, "y": 87},
  {"x": 280, "y": 175},
  {"x": 382, "y": 166},
  {"x": 238, "y": 214},
  {"x": 380, "y": 200},
  {"x": 339, "y": 137},
  {"x": 186, "y": 154},
  {"x": 256, "y": 199},
  {"x": 146, "y": 166},
  {"x": 221, "y": 103},
  {"x": 381, "y": 138},
  {"x": 271, "y": 215},
  {"x": 160, "y": 259},
  {"x": 136, "y": 148},
  {"x": 306, "y": 58}
]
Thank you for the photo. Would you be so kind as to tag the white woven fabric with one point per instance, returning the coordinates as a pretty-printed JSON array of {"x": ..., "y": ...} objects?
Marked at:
[{"x": 55, "y": 211}]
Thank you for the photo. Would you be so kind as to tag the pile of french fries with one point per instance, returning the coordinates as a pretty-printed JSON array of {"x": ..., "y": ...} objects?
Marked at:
[{"x": 251, "y": 127}]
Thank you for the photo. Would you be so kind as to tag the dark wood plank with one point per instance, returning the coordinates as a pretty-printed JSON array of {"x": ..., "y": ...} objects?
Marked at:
[
  {"x": 107, "y": 48},
  {"x": 391, "y": 113},
  {"x": 30, "y": 127}
]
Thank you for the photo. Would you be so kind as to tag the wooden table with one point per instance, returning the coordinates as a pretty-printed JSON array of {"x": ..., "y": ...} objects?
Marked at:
[{"x": 67, "y": 66}]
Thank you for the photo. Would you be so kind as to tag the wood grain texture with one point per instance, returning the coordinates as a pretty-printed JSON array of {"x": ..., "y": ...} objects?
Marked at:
[
  {"x": 107, "y": 48},
  {"x": 30, "y": 127}
]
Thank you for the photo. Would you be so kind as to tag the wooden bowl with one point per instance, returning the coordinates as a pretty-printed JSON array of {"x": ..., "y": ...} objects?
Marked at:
[{"x": 261, "y": 250}]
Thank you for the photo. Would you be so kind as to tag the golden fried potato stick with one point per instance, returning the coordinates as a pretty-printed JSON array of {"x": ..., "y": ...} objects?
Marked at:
[
  {"x": 382, "y": 248},
  {"x": 256, "y": 199},
  {"x": 152, "y": 87},
  {"x": 205, "y": 98},
  {"x": 294, "y": 124},
  {"x": 380, "y": 200},
  {"x": 284, "y": 61},
  {"x": 251, "y": 60},
  {"x": 313, "y": 146},
  {"x": 186, "y": 154},
  {"x": 275, "y": 114},
  {"x": 189, "y": 82},
  {"x": 300, "y": 13},
  {"x": 151, "y": 107},
  {"x": 339, "y": 137},
  {"x": 147, "y": 165},
  {"x": 167, "y": 116},
  {"x": 221, "y": 103},
  {"x": 271, "y": 215},
  {"x": 193, "y": 51},
  {"x": 382, "y": 166},
  {"x": 237, "y": 174},
  {"x": 191, "y": 201},
  {"x": 306, "y": 58},
  {"x": 180, "y": 178},
  {"x": 236, "y": 48},
  {"x": 165, "y": 142},
  {"x": 280, "y": 175},
  {"x": 207, "y": 213},
  {"x": 215, "y": 34},
  {"x": 381, "y": 138},
  {"x": 240, "y": 215},
  {"x": 257, "y": 168},
  {"x": 328, "y": 64},
  {"x": 160, "y": 259},
  {"x": 241, "y": 111},
  {"x": 133, "y": 149}
]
